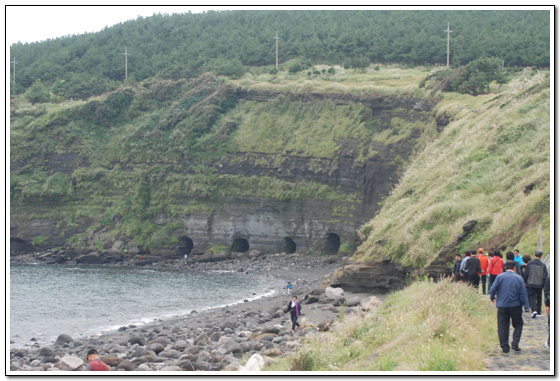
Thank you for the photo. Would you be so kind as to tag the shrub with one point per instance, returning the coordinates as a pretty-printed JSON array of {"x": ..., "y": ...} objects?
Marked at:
[
  {"x": 40, "y": 240},
  {"x": 37, "y": 93}
]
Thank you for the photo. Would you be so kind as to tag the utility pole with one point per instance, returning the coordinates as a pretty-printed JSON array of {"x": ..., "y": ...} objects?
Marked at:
[
  {"x": 276, "y": 38},
  {"x": 14, "y": 62},
  {"x": 448, "y": 31},
  {"x": 125, "y": 63}
]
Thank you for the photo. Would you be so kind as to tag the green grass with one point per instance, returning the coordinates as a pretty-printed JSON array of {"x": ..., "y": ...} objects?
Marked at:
[
  {"x": 427, "y": 326},
  {"x": 477, "y": 169}
]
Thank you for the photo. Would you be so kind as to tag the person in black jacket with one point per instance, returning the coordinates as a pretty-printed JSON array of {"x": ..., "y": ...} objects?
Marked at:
[
  {"x": 510, "y": 256},
  {"x": 295, "y": 310},
  {"x": 535, "y": 276},
  {"x": 456, "y": 275},
  {"x": 472, "y": 268}
]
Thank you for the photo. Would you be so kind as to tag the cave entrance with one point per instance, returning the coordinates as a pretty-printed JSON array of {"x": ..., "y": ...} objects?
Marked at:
[
  {"x": 17, "y": 244},
  {"x": 289, "y": 246},
  {"x": 332, "y": 243},
  {"x": 185, "y": 245},
  {"x": 240, "y": 245}
]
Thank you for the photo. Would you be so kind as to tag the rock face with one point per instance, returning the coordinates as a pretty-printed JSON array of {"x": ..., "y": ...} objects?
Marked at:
[
  {"x": 242, "y": 224},
  {"x": 380, "y": 276}
]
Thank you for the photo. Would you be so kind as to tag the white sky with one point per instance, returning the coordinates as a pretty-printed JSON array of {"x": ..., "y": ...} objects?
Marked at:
[{"x": 38, "y": 23}]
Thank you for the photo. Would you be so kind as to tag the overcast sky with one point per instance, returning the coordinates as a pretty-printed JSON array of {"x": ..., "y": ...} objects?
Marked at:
[{"x": 38, "y": 23}]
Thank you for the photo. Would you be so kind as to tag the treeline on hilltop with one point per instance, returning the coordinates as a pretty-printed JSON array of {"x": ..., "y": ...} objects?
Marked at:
[{"x": 227, "y": 42}]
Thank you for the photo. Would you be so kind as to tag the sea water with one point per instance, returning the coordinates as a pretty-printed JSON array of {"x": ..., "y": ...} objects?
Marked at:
[{"x": 49, "y": 300}]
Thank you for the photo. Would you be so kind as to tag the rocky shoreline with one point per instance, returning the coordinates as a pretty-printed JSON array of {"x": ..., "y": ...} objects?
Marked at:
[{"x": 220, "y": 339}]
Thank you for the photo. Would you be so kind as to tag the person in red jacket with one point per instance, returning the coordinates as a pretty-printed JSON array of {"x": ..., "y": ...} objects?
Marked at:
[
  {"x": 495, "y": 267},
  {"x": 94, "y": 363},
  {"x": 483, "y": 268}
]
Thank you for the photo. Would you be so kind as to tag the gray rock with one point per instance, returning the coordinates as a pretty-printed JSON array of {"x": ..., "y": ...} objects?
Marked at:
[
  {"x": 125, "y": 365},
  {"x": 201, "y": 339},
  {"x": 339, "y": 302},
  {"x": 215, "y": 336},
  {"x": 277, "y": 340},
  {"x": 154, "y": 358},
  {"x": 62, "y": 339},
  {"x": 170, "y": 368},
  {"x": 161, "y": 340},
  {"x": 334, "y": 293},
  {"x": 137, "y": 340},
  {"x": 271, "y": 329},
  {"x": 46, "y": 352},
  {"x": 170, "y": 353},
  {"x": 70, "y": 362},
  {"x": 354, "y": 301},
  {"x": 234, "y": 349},
  {"x": 139, "y": 352},
  {"x": 156, "y": 347},
  {"x": 180, "y": 345},
  {"x": 144, "y": 368},
  {"x": 187, "y": 366}
]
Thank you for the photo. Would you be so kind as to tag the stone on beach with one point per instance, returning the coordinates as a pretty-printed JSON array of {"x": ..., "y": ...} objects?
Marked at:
[
  {"x": 63, "y": 339},
  {"x": 254, "y": 364},
  {"x": 125, "y": 365},
  {"x": 334, "y": 292},
  {"x": 70, "y": 362}
]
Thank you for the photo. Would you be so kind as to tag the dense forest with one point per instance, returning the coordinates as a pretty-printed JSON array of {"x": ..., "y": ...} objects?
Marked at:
[{"x": 230, "y": 42}]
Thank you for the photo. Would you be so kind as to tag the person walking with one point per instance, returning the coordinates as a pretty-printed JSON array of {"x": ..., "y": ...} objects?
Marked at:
[
  {"x": 185, "y": 258},
  {"x": 510, "y": 257},
  {"x": 495, "y": 267},
  {"x": 483, "y": 268},
  {"x": 472, "y": 268},
  {"x": 456, "y": 274},
  {"x": 295, "y": 310},
  {"x": 510, "y": 291},
  {"x": 535, "y": 276},
  {"x": 464, "y": 273},
  {"x": 526, "y": 259},
  {"x": 518, "y": 257}
]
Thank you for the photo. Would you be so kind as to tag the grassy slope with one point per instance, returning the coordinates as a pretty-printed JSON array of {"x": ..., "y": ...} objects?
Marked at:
[
  {"x": 477, "y": 169},
  {"x": 428, "y": 326}
]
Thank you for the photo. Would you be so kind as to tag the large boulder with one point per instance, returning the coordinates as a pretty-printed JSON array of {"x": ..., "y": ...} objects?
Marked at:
[
  {"x": 62, "y": 339},
  {"x": 254, "y": 364},
  {"x": 334, "y": 293},
  {"x": 372, "y": 277},
  {"x": 70, "y": 363}
]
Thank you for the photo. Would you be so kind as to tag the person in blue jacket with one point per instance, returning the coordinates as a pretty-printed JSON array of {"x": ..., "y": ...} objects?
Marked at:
[
  {"x": 510, "y": 290},
  {"x": 518, "y": 257}
]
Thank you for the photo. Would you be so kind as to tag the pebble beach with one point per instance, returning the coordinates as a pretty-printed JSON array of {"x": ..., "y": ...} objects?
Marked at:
[{"x": 219, "y": 339}]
